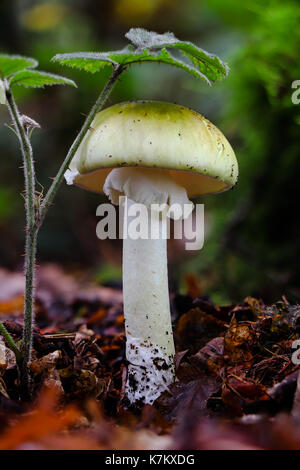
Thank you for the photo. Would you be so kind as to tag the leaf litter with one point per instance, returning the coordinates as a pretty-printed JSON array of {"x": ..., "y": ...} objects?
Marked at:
[{"x": 236, "y": 385}]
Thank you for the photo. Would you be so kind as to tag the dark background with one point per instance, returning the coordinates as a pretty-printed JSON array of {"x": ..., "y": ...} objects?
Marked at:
[{"x": 253, "y": 232}]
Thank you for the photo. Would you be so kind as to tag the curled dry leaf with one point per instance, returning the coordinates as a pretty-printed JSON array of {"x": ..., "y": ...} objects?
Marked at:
[
  {"x": 45, "y": 363},
  {"x": 239, "y": 342}
]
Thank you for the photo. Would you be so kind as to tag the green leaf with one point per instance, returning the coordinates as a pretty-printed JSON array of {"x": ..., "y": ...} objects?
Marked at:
[
  {"x": 10, "y": 64},
  {"x": 37, "y": 79},
  {"x": 208, "y": 64},
  {"x": 151, "y": 47},
  {"x": 88, "y": 61},
  {"x": 93, "y": 61},
  {"x": 161, "y": 56}
]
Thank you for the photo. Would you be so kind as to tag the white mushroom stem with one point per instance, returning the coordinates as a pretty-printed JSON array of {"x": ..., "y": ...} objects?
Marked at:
[{"x": 150, "y": 346}]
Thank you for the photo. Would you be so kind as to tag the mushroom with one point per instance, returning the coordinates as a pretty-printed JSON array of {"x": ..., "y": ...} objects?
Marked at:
[{"x": 151, "y": 153}]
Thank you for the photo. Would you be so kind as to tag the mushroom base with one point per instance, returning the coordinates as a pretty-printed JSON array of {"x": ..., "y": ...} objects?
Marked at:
[{"x": 150, "y": 371}]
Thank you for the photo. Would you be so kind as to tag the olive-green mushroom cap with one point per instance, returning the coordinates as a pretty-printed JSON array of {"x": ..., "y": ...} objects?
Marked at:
[{"x": 153, "y": 134}]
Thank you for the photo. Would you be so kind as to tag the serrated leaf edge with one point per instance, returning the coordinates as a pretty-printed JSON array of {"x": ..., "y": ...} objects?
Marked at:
[
  {"x": 41, "y": 73},
  {"x": 17, "y": 56}
]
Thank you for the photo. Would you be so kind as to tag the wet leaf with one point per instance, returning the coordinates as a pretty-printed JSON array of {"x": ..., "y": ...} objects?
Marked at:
[
  {"x": 195, "y": 328},
  {"x": 190, "y": 399},
  {"x": 211, "y": 356}
]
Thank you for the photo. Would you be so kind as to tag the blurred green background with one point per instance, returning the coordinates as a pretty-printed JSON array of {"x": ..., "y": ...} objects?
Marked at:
[{"x": 252, "y": 242}]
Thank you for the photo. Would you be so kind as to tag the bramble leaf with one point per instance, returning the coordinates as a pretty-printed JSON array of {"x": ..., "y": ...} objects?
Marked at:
[
  {"x": 88, "y": 61},
  {"x": 148, "y": 46},
  {"x": 208, "y": 64},
  {"x": 10, "y": 64},
  {"x": 37, "y": 79},
  {"x": 93, "y": 62}
]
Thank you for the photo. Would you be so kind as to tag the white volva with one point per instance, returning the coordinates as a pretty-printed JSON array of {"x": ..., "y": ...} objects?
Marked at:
[{"x": 150, "y": 346}]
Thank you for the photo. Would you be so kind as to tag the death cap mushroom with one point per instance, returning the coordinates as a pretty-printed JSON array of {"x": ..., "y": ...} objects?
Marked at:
[
  {"x": 151, "y": 153},
  {"x": 155, "y": 135}
]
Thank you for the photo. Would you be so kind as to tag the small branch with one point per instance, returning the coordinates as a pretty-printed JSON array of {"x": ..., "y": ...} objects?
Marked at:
[
  {"x": 10, "y": 342},
  {"x": 86, "y": 126}
]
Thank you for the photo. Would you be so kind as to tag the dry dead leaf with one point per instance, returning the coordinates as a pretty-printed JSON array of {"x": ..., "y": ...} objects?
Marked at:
[
  {"x": 44, "y": 420},
  {"x": 239, "y": 342},
  {"x": 195, "y": 328}
]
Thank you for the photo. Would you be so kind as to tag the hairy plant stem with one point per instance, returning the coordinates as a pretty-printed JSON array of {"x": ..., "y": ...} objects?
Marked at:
[
  {"x": 30, "y": 245},
  {"x": 35, "y": 217}
]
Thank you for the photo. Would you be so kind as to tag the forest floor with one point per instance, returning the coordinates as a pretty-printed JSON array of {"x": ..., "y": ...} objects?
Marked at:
[{"x": 236, "y": 384}]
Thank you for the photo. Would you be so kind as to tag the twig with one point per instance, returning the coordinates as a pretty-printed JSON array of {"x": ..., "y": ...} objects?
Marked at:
[{"x": 59, "y": 336}]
